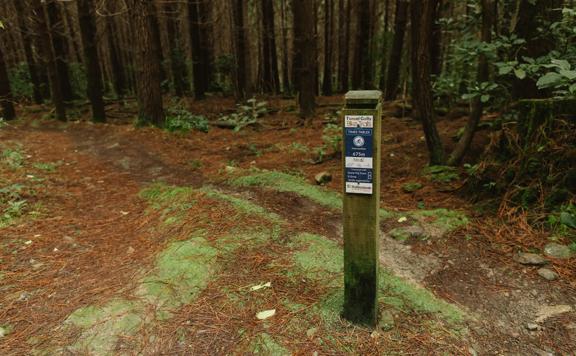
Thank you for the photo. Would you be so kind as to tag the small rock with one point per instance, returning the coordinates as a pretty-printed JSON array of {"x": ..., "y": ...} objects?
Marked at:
[
  {"x": 323, "y": 178},
  {"x": 35, "y": 264},
  {"x": 548, "y": 311},
  {"x": 131, "y": 250},
  {"x": 4, "y": 331},
  {"x": 547, "y": 274},
  {"x": 556, "y": 250},
  {"x": 472, "y": 351},
  {"x": 533, "y": 327},
  {"x": 24, "y": 296},
  {"x": 530, "y": 259},
  {"x": 411, "y": 187},
  {"x": 386, "y": 322},
  {"x": 375, "y": 334}
]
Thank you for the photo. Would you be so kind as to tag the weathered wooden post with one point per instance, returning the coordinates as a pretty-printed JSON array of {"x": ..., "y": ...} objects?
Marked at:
[{"x": 361, "y": 165}]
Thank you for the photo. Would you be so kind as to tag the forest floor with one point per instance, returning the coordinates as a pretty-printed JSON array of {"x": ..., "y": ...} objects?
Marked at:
[{"x": 139, "y": 241}]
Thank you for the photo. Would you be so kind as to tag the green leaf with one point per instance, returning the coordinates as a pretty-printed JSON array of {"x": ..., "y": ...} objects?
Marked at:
[
  {"x": 572, "y": 88},
  {"x": 561, "y": 63},
  {"x": 548, "y": 80},
  {"x": 520, "y": 73},
  {"x": 505, "y": 69},
  {"x": 568, "y": 219},
  {"x": 485, "y": 98},
  {"x": 570, "y": 74}
]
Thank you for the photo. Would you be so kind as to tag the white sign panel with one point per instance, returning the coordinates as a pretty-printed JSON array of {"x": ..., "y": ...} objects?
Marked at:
[{"x": 363, "y": 121}]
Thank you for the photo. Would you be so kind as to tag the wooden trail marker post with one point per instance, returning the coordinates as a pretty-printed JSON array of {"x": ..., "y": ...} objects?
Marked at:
[{"x": 361, "y": 166}]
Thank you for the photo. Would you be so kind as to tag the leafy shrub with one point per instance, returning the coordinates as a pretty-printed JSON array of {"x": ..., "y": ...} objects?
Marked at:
[
  {"x": 247, "y": 114},
  {"x": 178, "y": 119},
  {"x": 20, "y": 81}
]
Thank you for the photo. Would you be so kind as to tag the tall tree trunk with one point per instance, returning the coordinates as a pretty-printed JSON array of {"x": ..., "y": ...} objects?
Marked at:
[
  {"x": 157, "y": 39},
  {"x": 384, "y": 45},
  {"x": 344, "y": 9},
  {"x": 436, "y": 41},
  {"x": 60, "y": 45},
  {"x": 177, "y": 63},
  {"x": 328, "y": 29},
  {"x": 148, "y": 68},
  {"x": 269, "y": 60},
  {"x": 240, "y": 48},
  {"x": 29, "y": 54},
  {"x": 393, "y": 75},
  {"x": 481, "y": 76},
  {"x": 305, "y": 55},
  {"x": 118, "y": 74},
  {"x": 6, "y": 99},
  {"x": 285, "y": 69},
  {"x": 91, "y": 59},
  {"x": 362, "y": 63},
  {"x": 47, "y": 50},
  {"x": 422, "y": 17},
  {"x": 198, "y": 11}
]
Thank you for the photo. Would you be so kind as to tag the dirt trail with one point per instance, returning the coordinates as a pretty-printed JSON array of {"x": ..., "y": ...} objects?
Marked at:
[{"x": 101, "y": 229}]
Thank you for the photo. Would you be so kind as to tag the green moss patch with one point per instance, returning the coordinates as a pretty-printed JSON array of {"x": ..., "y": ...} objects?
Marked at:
[
  {"x": 104, "y": 325},
  {"x": 264, "y": 344},
  {"x": 441, "y": 221},
  {"x": 441, "y": 174}
]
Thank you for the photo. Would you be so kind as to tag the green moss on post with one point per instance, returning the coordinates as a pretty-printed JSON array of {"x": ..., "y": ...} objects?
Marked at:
[{"x": 361, "y": 224}]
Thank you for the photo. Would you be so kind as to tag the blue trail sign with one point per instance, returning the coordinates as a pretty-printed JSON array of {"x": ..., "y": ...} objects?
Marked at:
[{"x": 359, "y": 152}]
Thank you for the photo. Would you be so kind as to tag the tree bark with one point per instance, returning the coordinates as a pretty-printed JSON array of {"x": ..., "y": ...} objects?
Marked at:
[
  {"x": 6, "y": 99},
  {"x": 422, "y": 17},
  {"x": 269, "y": 62},
  {"x": 481, "y": 76},
  {"x": 362, "y": 63},
  {"x": 383, "y": 61},
  {"x": 328, "y": 29},
  {"x": 148, "y": 68},
  {"x": 48, "y": 52},
  {"x": 285, "y": 63},
  {"x": 436, "y": 42},
  {"x": 198, "y": 11},
  {"x": 91, "y": 59},
  {"x": 343, "y": 44},
  {"x": 177, "y": 63},
  {"x": 118, "y": 74},
  {"x": 60, "y": 45},
  {"x": 29, "y": 54},
  {"x": 305, "y": 56},
  {"x": 393, "y": 76},
  {"x": 240, "y": 48}
]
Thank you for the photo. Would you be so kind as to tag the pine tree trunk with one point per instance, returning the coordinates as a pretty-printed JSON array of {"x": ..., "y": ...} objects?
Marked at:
[
  {"x": 200, "y": 43},
  {"x": 29, "y": 54},
  {"x": 239, "y": 36},
  {"x": 177, "y": 63},
  {"x": 91, "y": 59},
  {"x": 6, "y": 99},
  {"x": 328, "y": 29},
  {"x": 422, "y": 17},
  {"x": 157, "y": 39},
  {"x": 383, "y": 61},
  {"x": 393, "y": 75},
  {"x": 48, "y": 52},
  {"x": 148, "y": 68},
  {"x": 362, "y": 63},
  {"x": 60, "y": 45},
  {"x": 305, "y": 56},
  {"x": 269, "y": 62},
  {"x": 118, "y": 74},
  {"x": 344, "y": 8},
  {"x": 436, "y": 41},
  {"x": 285, "y": 62},
  {"x": 482, "y": 76}
]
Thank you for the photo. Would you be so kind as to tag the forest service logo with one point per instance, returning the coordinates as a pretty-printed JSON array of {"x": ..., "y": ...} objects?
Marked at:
[{"x": 358, "y": 141}]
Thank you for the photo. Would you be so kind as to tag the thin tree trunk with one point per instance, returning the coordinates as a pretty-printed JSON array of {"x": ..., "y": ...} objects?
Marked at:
[
  {"x": 177, "y": 64},
  {"x": 393, "y": 76},
  {"x": 343, "y": 44},
  {"x": 328, "y": 29},
  {"x": 383, "y": 62},
  {"x": 200, "y": 39},
  {"x": 422, "y": 17},
  {"x": 60, "y": 45},
  {"x": 148, "y": 68},
  {"x": 29, "y": 54},
  {"x": 240, "y": 49},
  {"x": 47, "y": 50},
  {"x": 6, "y": 99},
  {"x": 157, "y": 39},
  {"x": 362, "y": 63},
  {"x": 482, "y": 76},
  {"x": 285, "y": 69},
  {"x": 436, "y": 42},
  {"x": 91, "y": 59},
  {"x": 118, "y": 74},
  {"x": 305, "y": 52},
  {"x": 269, "y": 60}
]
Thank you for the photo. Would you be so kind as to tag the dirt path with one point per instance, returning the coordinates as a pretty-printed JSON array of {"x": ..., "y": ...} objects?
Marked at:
[{"x": 95, "y": 239}]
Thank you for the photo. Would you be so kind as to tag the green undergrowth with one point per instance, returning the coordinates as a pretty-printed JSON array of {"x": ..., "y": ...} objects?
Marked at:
[
  {"x": 180, "y": 272},
  {"x": 283, "y": 182},
  {"x": 440, "y": 220},
  {"x": 320, "y": 259}
]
